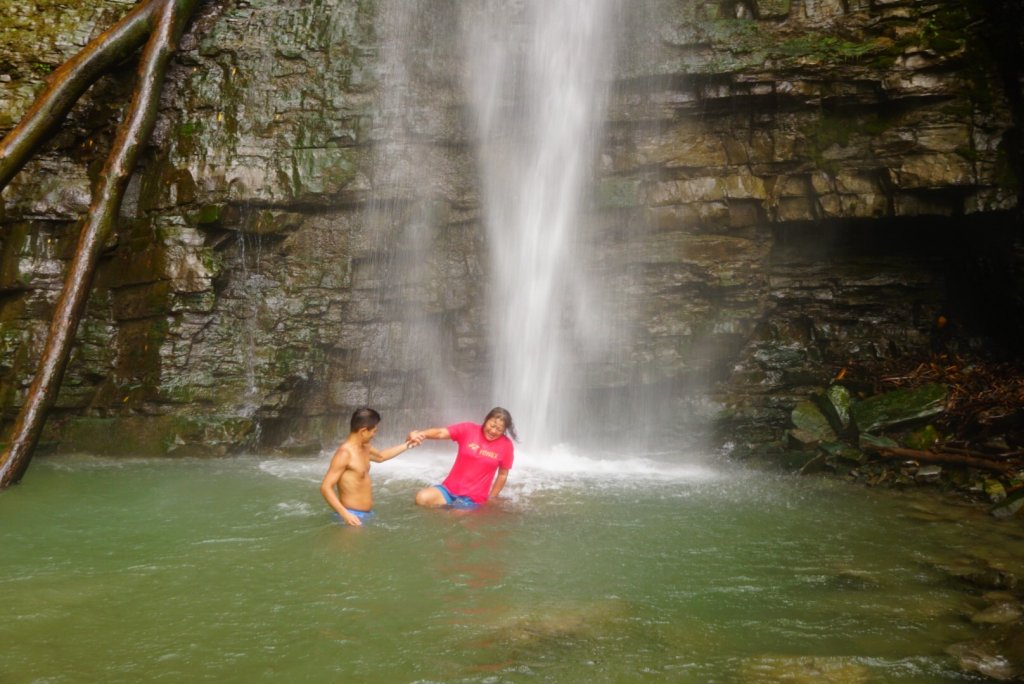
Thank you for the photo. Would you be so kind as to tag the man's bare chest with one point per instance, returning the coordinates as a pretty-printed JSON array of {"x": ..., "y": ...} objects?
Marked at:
[{"x": 358, "y": 468}]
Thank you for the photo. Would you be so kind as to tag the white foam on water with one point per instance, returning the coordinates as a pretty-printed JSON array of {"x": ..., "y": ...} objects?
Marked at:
[
  {"x": 296, "y": 468},
  {"x": 562, "y": 466},
  {"x": 226, "y": 540},
  {"x": 565, "y": 462},
  {"x": 290, "y": 509}
]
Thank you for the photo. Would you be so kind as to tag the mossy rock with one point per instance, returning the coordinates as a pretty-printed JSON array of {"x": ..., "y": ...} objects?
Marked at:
[
  {"x": 154, "y": 435},
  {"x": 809, "y": 420},
  {"x": 843, "y": 452},
  {"x": 869, "y": 441},
  {"x": 839, "y": 400},
  {"x": 899, "y": 407},
  {"x": 922, "y": 439},
  {"x": 772, "y": 9},
  {"x": 1011, "y": 506}
]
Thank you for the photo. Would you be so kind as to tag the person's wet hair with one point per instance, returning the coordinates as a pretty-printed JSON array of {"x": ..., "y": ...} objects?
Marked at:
[
  {"x": 510, "y": 428},
  {"x": 363, "y": 418}
]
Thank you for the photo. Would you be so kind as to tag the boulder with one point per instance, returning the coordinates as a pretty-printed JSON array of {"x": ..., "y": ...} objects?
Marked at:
[
  {"x": 928, "y": 473},
  {"x": 984, "y": 657},
  {"x": 1000, "y": 613},
  {"x": 811, "y": 422},
  {"x": 839, "y": 399},
  {"x": 1009, "y": 505},
  {"x": 899, "y": 407}
]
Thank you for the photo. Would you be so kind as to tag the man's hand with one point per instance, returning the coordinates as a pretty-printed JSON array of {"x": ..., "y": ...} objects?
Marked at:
[
  {"x": 419, "y": 436},
  {"x": 351, "y": 519}
]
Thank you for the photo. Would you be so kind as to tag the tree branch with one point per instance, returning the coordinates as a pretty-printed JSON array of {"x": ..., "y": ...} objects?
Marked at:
[
  {"x": 66, "y": 85},
  {"x": 107, "y": 195},
  {"x": 932, "y": 457}
]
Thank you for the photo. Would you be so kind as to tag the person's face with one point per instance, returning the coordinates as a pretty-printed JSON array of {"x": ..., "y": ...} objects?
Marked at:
[
  {"x": 367, "y": 434},
  {"x": 494, "y": 428}
]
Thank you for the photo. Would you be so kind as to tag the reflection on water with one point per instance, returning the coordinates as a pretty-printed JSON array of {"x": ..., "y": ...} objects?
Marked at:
[{"x": 232, "y": 570}]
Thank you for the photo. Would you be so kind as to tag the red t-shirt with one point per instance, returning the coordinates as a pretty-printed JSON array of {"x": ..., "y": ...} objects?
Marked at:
[{"x": 477, "y": 461}]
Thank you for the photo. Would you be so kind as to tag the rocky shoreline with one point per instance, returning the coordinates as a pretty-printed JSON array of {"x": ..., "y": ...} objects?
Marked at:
[
  {"x": 951, "y": 425},
  {"x": 986, "y": 571},
  {"x": 950, "y": 422}
]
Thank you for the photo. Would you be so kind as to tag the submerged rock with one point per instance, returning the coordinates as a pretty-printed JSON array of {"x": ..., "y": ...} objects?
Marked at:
[
  {"x": 1009, "y": 505},
  {"x": 805, "y": 670},
  {"x": 1000, "y": 613},
  {"x": 986, "y": 657},
  {"x": 853, "y": 579},
  {"x": 571, "y": 622},
  {"x": 990, "y": 578}
]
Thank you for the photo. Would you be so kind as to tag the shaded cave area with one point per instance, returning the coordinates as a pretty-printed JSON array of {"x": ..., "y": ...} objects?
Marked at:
[{"x": 964, "y": 276}]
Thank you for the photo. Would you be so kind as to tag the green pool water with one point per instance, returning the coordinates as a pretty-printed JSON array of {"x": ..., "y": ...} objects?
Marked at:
[{"x": 232, "y": 570}]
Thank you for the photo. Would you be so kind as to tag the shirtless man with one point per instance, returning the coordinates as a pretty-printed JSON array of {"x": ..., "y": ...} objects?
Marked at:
[{"x": 346, "y": 487}]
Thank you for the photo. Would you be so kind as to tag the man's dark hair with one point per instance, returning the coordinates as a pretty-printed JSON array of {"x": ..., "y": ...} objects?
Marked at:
[{"x": 364, "y": 418}]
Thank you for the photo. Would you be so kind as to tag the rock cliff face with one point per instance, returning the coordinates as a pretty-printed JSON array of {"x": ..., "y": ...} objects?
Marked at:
[{"x": 785, "y": 187}]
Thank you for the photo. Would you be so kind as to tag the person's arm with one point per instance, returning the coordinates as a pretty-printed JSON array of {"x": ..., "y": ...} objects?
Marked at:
[
  {"x": 390, "y": 452},
  {"x": 417, "y": 436},
  {"x": 329, "y": 486},
  {"x": 499, "y": 483}
]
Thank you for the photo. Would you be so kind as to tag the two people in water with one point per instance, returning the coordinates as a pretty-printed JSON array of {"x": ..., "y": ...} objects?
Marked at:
[{"x": 484, "y": 457}]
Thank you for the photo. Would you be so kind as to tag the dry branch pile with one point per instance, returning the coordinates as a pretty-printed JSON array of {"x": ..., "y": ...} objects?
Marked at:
[{"x": 984, "y": 416}]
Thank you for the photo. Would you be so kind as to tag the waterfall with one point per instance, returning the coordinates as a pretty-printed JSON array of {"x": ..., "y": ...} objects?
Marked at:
[
  {"x": 250, "y": 282},
  {"x": 515, "y": 104},
  {"x": 536, "y": 77}
]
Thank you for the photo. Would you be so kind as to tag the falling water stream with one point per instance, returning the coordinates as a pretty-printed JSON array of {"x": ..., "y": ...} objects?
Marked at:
[
  {"x": 533, "y": 77},
  {"x": 537, "y": 75}
]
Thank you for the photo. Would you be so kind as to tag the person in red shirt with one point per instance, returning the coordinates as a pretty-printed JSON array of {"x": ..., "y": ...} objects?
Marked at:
[{"x": 481, "y": 464}]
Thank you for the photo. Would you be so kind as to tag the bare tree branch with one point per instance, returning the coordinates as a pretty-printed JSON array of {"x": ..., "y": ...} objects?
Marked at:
[
  {"x": 933, "y": 457},
  {"x": 67, "y": 83},
  {"x": 132, "y": 135}
]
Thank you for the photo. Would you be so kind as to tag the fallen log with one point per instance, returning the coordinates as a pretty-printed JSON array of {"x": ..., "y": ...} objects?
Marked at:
[
  {"x": 1002, "y": 456},
  {"x": 932, "y": 457},
  {"x": 132, "y": 134},
  {"x": 69, "y": 81}
]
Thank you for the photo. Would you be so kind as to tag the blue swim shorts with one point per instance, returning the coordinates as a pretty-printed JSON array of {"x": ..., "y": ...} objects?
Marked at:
[
  {"x": 364, "y": 516},
  {"x": 453, "y": 501}
]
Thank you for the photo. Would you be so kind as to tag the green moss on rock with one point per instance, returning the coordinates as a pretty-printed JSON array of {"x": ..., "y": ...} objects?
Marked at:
[{"x": 154, "y": 435}]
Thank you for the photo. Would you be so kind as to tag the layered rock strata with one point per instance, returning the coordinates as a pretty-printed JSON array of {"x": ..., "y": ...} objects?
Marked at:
[{"x": 785, "y": 186}]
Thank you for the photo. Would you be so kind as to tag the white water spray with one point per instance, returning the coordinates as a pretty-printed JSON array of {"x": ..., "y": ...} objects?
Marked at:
[
  {"x": 403, "y": 224},
  {"x": 537, "y": 74}
]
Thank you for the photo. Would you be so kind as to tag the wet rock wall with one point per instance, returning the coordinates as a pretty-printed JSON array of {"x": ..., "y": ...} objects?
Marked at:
[{"x": 784, "y": 186}]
